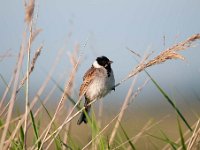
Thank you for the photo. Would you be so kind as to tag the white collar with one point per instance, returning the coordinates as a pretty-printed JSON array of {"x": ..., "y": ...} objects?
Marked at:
[{"x": 96, "y": 64}]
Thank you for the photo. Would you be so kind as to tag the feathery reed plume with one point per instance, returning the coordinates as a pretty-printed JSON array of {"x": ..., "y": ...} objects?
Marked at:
[
  {"x": 167, "y": 54},
  {"x": 29, "y": 10},
  {"x": 37, "y": 53}
]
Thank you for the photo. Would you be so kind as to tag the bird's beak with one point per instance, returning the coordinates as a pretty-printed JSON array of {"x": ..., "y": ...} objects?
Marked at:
[{"x": 110, "y": 62}]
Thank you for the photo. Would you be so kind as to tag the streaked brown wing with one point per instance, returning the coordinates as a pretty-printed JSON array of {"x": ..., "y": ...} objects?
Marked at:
[
  {"x": 89, "y": 72},
  {"x": 87, "y": 79}
]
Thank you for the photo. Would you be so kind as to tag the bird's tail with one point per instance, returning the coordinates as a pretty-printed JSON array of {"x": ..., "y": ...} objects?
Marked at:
[{"x": 83, "y": 117}]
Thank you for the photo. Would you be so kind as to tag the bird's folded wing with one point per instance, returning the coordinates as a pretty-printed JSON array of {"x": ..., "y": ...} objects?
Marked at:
[{"x": 87, "y": 80}]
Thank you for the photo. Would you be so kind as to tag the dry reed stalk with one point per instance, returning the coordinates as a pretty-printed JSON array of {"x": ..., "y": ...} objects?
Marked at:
[
  {"x": 15, "y": 80},
  {"x": 67, "y": 129},
  {"x": 124, "y": 106},
  {"x": 73, "y": 59},
  {"x": 39, "y": 92},
  {"x": 13, "y": 121},
  {"x": 32, "y": 34},
  {"x": 46, "y": 99},
  {"x": 76, "y": 62},
  {"x": 67, "y": 120},
  {"x": 194, "y": 142},
  {"x": 194, "y": 136},
  {"x": 30, "y": 66},
  {"x": 13, "y": 96},
  {"x": 57, "y": 131},
  {"x": 27, "y": 82},
  {"x": 63, "y": 97},
  {"x": 129, "y": 99},
  {"x": 10, "y": 82}
]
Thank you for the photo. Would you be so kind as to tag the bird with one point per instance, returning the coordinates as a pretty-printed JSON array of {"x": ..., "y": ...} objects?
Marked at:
[{"x": 98, "y": 81}]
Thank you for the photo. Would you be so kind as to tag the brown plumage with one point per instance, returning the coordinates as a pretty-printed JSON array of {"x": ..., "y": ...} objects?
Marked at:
[
  {"x": 97, "y": 82},
  {"x": 87, "y": 79}
]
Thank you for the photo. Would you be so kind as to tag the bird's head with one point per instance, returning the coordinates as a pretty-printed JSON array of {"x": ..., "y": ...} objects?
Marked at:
[{"x": 102, "y": 61}]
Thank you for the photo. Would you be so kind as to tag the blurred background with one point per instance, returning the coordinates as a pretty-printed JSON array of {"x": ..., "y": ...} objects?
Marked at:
[{"x": 110, "y": 28}]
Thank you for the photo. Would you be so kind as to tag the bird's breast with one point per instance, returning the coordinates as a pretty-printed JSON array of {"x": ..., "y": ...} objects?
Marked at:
[{"x": 100, "y": 87}]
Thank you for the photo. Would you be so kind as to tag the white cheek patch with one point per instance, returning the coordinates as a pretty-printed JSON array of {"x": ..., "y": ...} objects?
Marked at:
[{"x": 96, "y": 65}]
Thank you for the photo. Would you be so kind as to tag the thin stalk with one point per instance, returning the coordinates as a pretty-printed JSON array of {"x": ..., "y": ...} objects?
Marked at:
[
  {"x": 12, "y": 99},
  {"x": 39, "y": 92},
  {"x": 126, "y": 101},
  {"x": 27, "y": 84}
]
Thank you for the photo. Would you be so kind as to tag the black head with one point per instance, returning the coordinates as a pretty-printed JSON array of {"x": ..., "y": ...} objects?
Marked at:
[{"x": 103, "y": 61}]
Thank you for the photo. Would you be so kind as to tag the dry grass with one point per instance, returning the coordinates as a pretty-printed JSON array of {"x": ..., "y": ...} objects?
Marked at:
[
  {"x": 29, "y": 10},
  {"x": 168, "y": 54},
  {"x": 165, "y": 55},
  {"x": 37, "y": 53},
  {"x": 10, "y": 130}
]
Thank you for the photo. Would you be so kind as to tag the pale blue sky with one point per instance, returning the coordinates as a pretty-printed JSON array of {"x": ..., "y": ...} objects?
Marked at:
[{"x": 110, "y": 26}]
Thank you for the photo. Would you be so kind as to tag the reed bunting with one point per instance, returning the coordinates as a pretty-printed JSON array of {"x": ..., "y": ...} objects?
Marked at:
[{"x": 98, "y": 81}]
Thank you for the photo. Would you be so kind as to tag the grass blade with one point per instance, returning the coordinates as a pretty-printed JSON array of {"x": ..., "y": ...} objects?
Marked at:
[
  {"x": 21, "y": 137},
  {"x": 126, "y": 135},
  {"x": 169, "y": 141},
  {"x": 108, "y": 145},
  {"x": 165, "y": 139},
  {"x": 181, "y": 135},
  {"x": 35, "y": 129},
  {"x": 1, "y": 122},
  {"x": 170, "y": 101}
]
